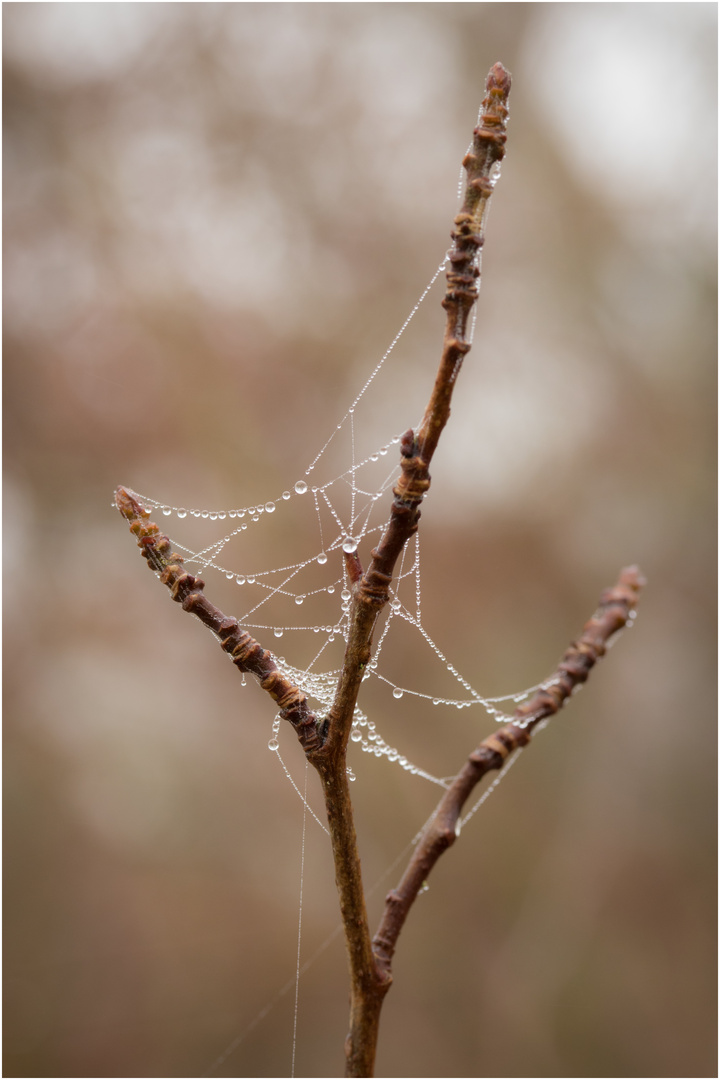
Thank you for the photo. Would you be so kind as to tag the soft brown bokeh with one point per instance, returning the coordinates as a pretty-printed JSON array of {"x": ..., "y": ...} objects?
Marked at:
[{"x": 216, "y": 218}]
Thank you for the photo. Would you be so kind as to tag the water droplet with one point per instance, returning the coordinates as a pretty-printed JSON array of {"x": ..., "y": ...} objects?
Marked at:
[
  {"x": 383, "y": 450},
  {"x": 240, "y": 579},
  {"x": 182, "y": 512},
  {"x": 322, "y": 559},
  {"x": 204, "y": 514},
  {"x": 221, "y": 517},
  {"x": 397, "y": 692},
  {"x": 166, "y": 511},
  {"x": 301, "y": 487},
  {"x": 350, "y": 545},
  {"x": 424, "y": 887},
  {"x": 278, "y": 632},
  {"x": 213, "y": 517},
  {"x": 229, "y": 575},
  {"x": 286, "y": 495},
  {"x": 195, "y": 513},
  {"x": 273, "y": 744},
  {"x": 458, "y": 827},
  {"x": 270, "y": 507},
  {"x": 356, "y": 735},
  {"x": 436, "y": 701},
  {"x": 331, "y": 589},
  {"x": 233, "y": 514},
  {"x": 299, "y": 599},
  {"x": 345, "y": 595},
  {"x": 251, "y": 580},
  {"x": 396, "y": 605},
  {"x": 241, "y": 513}
]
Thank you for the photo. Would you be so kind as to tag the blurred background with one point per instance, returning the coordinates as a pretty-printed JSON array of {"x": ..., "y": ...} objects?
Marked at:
[{"x": 217, "y": 216}]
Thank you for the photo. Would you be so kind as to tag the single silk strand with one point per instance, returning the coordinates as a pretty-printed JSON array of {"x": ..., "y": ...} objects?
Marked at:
[{"x": 300, "y": 907}]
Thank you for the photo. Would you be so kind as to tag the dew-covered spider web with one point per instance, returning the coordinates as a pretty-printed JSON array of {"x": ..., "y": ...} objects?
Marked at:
[{"x": 339, "y": 503}]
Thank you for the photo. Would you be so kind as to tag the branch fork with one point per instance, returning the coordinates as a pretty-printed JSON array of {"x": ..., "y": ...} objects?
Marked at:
[{"x": 325, "y": 740}]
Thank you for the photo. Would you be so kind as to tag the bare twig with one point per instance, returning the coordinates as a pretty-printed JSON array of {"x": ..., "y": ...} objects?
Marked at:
[
  {"x": 246, "y": 653},
  {"x": 616, "y": 607},
  {"x": 325, "y": 740}
]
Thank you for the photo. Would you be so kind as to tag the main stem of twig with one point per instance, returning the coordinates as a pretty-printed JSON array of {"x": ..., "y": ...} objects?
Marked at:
[
  {"x": 368, "y": 985},
  {"x": 370, "y": 980}
]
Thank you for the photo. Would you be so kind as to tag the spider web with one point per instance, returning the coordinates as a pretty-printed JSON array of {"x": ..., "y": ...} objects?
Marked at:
[{"x": 343, "y": 511}]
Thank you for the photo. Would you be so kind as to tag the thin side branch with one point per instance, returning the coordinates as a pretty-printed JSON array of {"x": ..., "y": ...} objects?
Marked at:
[
  {"x": 615, "y": 608},
  {"x": 246, "y": 653}
]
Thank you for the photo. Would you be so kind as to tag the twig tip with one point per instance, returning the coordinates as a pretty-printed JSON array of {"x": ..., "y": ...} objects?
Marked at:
[
  {"x": 128, "y": 504},
  {"x": 633, "y": 576},
  {"x": 499, "y": 78}
]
